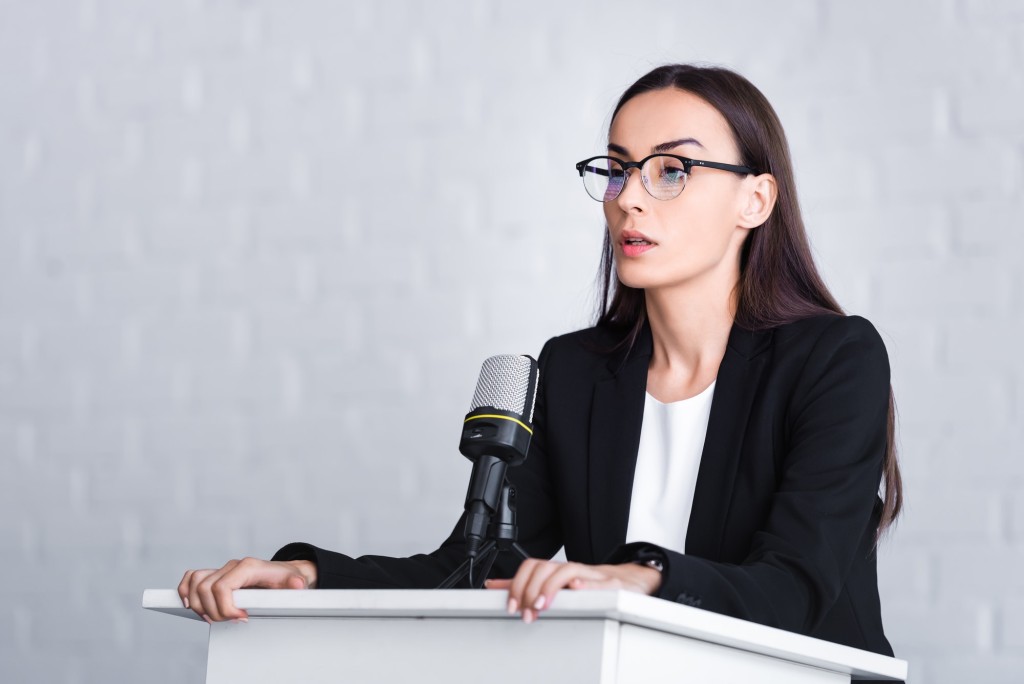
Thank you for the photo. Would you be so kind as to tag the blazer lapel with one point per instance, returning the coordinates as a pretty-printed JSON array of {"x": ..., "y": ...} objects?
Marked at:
[
  {"x": 738, "y": 379},
  {"x": 616, "y": 418}
]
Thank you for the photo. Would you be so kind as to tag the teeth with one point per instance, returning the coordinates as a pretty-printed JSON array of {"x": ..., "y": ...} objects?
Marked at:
[{"x": 636, "y": 241}]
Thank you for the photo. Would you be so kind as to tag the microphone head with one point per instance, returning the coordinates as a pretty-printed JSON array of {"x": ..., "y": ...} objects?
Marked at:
[
  {"x": 499, "y": 422},
  {"x": 508, "y": 382}
]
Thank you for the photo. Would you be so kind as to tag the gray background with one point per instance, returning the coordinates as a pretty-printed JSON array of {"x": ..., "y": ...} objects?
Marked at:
[{"x": 252, "y": 255}]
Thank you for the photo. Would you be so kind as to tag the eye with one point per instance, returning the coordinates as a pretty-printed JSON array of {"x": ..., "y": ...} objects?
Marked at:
[{"x": 672, "y": 174}]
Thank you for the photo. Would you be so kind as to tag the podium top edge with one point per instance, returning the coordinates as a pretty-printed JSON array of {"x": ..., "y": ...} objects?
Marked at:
[{"x": 622, "y": 606}]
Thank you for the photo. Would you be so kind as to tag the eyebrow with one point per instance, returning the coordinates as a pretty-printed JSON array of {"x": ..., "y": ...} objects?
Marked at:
[{"x": 660, "y": 147}]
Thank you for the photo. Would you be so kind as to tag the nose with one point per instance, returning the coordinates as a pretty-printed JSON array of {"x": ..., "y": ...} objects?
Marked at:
[{"x": 634, "y": 199}]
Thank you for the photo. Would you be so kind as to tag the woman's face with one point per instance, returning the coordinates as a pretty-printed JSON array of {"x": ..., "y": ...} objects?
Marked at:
[{"x": 696, "y": 233}]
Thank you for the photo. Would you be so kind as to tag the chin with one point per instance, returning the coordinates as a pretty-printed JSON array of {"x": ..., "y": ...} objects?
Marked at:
[
  {"x": 639, "y": 278},
  {"x": 653, "y": 275}
]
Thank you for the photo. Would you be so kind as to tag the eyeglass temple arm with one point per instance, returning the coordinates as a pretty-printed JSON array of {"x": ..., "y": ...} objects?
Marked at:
[
  {"x": 583, "y": 168},
  {"x": 718, "y": 165}
]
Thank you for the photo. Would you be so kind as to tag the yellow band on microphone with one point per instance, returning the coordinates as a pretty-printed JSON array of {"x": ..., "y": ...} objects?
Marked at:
[{"x": 491, "y": 415}]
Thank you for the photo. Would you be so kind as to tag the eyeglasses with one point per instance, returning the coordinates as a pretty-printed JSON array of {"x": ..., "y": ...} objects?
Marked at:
[{"x": 664, "y": 175}]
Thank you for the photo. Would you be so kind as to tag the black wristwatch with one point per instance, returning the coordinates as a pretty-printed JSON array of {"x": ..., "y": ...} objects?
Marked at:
[{"x": 652, "y": 563}]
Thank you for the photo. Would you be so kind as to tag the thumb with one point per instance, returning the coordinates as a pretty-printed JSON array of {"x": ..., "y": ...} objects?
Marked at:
[{"x": 295, "y": 582}]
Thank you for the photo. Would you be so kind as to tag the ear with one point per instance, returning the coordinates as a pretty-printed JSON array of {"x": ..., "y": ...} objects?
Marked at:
[{"x": 761, "y": 193}]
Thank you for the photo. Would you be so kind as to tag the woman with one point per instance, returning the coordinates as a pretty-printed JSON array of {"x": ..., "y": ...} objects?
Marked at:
[{"x": 719, "y": 437}]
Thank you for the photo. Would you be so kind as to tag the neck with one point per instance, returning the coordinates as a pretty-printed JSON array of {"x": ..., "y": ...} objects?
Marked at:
[{"x": 690, "y": 326}]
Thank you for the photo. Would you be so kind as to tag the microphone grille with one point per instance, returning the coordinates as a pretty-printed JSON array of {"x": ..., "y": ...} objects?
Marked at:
[{"x": 507, "y": 382}]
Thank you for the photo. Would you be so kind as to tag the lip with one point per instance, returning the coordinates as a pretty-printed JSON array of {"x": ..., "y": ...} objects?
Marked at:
[
  {"x": 634, "y": 235},
  {"x": 633, "y": 250}
]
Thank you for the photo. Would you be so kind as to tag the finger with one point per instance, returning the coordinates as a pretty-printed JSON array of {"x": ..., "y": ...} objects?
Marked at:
[
  {"x": 561, "y": 578},
  {"x": 194, "y": 602},
  {"x": 253, "y": 572},
  {"x": 240, "y": 575},
  {"x": 518, "y": 583},
  {"x": 529, "y": 580},
  {"x": 305, "y": 571},
  {"x": 199, "y": 598},
  {"x": 498, "y": 583},
  {"x": 183, "y": 587},
  {"x": 205, "y": 591},
  {"x": 533, "y": 596}
]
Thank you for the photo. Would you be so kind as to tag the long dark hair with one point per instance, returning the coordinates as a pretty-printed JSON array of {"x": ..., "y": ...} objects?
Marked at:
[{"x": 779, "y": 282}]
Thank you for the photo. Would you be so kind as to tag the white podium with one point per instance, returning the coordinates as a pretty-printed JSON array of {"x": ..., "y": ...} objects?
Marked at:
[{"x": 465, "y": 636}]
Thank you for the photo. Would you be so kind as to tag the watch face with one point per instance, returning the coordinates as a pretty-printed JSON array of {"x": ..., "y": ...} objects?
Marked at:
[{"x": 653, "y": 563}]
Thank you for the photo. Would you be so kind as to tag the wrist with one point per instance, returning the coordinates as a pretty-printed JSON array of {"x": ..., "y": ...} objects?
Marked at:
[
  {"x": 650, "y": 579},
  {"x": 649, "y": 556},
  {"x": 648, "y": 575}
]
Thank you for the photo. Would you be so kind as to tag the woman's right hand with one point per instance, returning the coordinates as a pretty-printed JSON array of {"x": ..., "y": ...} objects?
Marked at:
[{"x": 208, "y": 592}]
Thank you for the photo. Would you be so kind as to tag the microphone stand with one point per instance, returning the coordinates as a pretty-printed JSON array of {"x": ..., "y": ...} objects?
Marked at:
[{"x": 502, "y": 534}]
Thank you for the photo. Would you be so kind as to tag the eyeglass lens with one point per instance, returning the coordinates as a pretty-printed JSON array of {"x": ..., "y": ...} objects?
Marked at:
[{"x": 663, "y": 176}]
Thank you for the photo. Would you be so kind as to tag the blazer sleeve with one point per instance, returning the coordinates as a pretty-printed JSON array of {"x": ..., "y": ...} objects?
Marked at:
[
  {"x": 539, "y": 531},
  {"x": 824, "y": 505}
]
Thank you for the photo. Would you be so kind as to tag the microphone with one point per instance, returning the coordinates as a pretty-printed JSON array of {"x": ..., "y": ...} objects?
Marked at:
[{"x": 495, "y": 435}]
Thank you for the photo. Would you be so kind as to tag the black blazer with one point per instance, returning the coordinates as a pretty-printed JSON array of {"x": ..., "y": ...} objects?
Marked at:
[{"x": 786, "y": 505}]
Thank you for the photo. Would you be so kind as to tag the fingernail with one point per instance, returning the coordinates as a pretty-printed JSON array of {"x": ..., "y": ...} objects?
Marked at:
[
  {"x": 527, "y": 616},
  {"x": 243, "y": 619},
  {"x": 512, "y": 606},
  {"x": 207, "y": 618},
  {"x": 539, "y": 603},
  {"x": 185, "y": 601}
]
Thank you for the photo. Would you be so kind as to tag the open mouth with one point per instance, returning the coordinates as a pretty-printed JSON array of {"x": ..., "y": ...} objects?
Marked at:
[{"x": 634, "y": 245}]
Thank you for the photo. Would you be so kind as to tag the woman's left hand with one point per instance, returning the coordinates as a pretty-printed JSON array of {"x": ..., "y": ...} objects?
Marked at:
[{"x": 537, "y": 581}]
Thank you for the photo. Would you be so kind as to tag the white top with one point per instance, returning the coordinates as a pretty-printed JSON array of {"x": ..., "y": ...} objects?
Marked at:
[{"x": 671, "y": 442}]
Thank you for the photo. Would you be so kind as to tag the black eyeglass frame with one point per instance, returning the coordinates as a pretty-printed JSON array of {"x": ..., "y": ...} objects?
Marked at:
[{"x": 687, "y": 163}]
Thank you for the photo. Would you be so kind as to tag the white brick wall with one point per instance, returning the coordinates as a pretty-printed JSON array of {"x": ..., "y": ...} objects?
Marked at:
[{"x": 210, "y": 302}]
